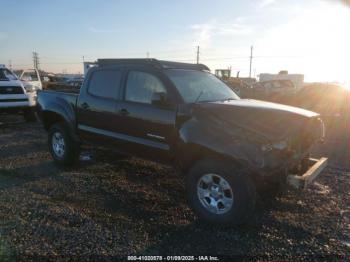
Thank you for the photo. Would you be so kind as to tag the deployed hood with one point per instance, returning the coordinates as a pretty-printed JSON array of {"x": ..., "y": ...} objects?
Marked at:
[{"x": 270, "y": 120}]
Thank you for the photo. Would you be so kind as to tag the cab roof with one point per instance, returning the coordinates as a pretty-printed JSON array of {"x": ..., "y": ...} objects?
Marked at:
[{"x": 160, "y": 64}]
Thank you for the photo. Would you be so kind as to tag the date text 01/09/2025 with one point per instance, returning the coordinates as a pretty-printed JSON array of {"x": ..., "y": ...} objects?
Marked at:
[{"x": 173, "y": 258}]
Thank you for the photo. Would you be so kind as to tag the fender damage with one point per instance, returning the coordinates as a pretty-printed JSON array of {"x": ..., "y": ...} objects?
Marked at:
[{"x": 264, "y": 137}]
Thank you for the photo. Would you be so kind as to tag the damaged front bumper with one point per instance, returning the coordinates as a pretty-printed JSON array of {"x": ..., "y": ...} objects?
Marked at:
[
  {"x": 291, "y": 156},
  {"x": 296, "y": 147},
  {"x": 302, "y": 181}
]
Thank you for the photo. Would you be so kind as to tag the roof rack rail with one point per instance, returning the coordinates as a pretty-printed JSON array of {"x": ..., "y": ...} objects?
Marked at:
[{"x": 152, "y": 62}]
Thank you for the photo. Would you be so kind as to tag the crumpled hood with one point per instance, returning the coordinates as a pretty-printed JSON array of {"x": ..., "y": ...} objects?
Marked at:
[{"x": 270, "y": 120}]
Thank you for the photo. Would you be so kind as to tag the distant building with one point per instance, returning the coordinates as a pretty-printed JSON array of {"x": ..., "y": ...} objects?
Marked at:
[{"x": 296, "y": 79}]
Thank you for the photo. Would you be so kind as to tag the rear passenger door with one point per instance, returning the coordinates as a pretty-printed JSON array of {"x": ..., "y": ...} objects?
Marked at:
[
  {"x": 148, "y": 129},
  {"x": 96, "y": 107}
]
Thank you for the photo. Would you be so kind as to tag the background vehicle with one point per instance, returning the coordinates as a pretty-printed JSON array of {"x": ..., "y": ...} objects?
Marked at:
[
  {"x": 32, "y": 77},
  {"x": 17, "y": 96},
  {"x": 180, "y": 114}
]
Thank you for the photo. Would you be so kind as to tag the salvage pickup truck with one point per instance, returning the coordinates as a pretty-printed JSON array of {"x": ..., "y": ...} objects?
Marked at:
[{"x": 182, "y": 115}]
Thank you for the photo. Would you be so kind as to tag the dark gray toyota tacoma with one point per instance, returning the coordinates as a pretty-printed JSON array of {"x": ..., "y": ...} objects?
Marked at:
[{"x": 182, "y": 115}]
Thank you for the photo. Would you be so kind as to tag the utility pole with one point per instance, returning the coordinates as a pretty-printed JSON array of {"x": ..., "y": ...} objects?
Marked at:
[
  {"x": 10, "y": 64},
  {"x": 197, "y": 55},
  {"x": 251, "y": 61},
  {"x": 36, "y": 60},
  {"x": 147, "y": 55}
]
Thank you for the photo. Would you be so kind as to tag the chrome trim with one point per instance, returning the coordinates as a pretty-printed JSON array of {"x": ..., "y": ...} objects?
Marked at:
[
  {"x": 133, "y": 139},
  {"x": 155, "y": 136}
]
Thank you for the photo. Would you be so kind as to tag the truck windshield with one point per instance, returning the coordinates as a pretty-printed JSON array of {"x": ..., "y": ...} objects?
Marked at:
[
  {"x": 30, "y": 76},
  {"x": 197, "y": 86},
  {"x": 6, "y": 75}
]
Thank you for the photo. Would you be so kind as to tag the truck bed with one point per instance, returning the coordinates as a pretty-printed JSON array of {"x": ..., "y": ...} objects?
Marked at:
[
  {"x": 63, "y": 89},
  {"x": 60, "y": 93},
  {"x": 53, "y": 99}
]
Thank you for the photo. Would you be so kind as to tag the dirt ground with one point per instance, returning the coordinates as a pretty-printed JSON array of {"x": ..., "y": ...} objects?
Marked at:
[{"x": 111, "y": 207}]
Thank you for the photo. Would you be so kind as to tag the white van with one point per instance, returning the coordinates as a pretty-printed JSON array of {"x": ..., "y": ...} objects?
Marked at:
[{"x": 17, "y": 96}]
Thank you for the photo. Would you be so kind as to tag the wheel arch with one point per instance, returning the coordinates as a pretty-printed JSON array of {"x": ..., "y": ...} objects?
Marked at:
[
  {"x": 51, "y": 117},
  {"x": 190, "y": 155}
]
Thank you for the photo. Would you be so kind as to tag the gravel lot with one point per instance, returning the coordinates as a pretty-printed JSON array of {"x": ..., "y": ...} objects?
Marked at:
[{"x": 112, "y": 206}]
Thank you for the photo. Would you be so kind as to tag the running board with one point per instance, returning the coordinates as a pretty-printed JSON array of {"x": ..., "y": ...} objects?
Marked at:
[{"x": 301, "y": 182}]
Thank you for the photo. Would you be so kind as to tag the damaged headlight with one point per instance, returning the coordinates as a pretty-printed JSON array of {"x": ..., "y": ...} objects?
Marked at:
[{"x": 278, "y": 145}]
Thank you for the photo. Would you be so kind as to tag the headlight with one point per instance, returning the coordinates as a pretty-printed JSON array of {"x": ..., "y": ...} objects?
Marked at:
[
  {"x": 30, "y": 88},
  {"x": 278, "y": 145}
]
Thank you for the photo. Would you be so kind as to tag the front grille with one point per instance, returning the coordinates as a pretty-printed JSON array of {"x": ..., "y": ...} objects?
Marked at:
[
  {"x": 312, "y": 131},
  {"x": 11, "y": 90},
  {"x": 13, "y": 100}
]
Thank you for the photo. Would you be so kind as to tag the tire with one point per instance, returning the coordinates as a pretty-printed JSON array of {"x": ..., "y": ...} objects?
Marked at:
[
  {"x": 29, "y": 115},
  {"x": 232, "y": 180},
  {"x": 64, "y": 150}
]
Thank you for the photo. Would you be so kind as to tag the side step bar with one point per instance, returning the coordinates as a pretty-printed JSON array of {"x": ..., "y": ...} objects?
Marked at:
[{"x": 300, "y": 182}]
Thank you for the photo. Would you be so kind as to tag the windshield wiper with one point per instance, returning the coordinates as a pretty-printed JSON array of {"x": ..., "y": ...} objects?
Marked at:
[
  {"x": 228, "y": 99},
  {"x": 199, "y": 96}
]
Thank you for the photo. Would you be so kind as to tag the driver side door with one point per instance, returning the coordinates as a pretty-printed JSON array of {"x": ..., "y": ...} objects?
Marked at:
[{"x": 148, "y": 128}]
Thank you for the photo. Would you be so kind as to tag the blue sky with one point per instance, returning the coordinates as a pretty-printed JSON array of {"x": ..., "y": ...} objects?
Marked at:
[{"x": 307, "y": 37}]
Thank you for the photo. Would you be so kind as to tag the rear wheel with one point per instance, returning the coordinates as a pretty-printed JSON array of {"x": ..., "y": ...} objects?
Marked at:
[
  {"x": 63, "y": 148},
  {"x": 220, "y": 193}
]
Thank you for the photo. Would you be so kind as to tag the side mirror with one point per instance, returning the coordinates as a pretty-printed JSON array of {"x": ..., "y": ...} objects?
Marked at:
[{"x": 160, "y": 99}]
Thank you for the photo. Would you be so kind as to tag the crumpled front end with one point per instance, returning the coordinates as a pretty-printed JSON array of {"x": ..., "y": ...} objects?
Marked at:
[
  {"x": 266, "y": 138},
  {"x": 289, "y": 152}
]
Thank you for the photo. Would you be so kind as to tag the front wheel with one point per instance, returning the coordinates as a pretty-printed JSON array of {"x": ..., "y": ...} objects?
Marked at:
[
  {"x": 63, "y": 148},
  {"x": 220, "y": 193}
]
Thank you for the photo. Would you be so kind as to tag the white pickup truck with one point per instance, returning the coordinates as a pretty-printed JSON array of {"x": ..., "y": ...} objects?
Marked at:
[{"x": 19, "y": 95}]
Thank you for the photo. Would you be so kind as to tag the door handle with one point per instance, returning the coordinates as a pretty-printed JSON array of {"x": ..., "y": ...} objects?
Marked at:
[
  {"x": 124, "y": 112},
  {"x": 85, "y": 106}
]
